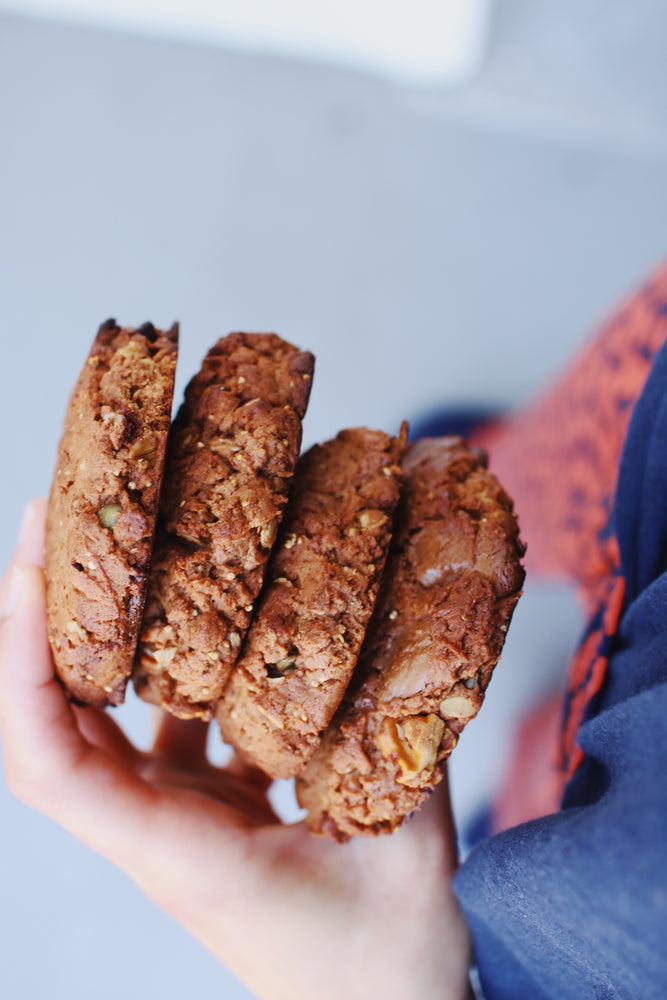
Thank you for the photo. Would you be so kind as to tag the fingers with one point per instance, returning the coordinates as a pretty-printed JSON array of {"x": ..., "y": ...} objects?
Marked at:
[
  {"x": 99, "y": 729},
  {"x": 179, "y": 759},
  {"x": 248, "y": 773},
  {"x": 181, "y": 741},
  {"x": 48, "y": 761},
  {"x": 33, "y": 708},
  {"x": 29, "y": 545},
  {"x": 30, "y": 540}
]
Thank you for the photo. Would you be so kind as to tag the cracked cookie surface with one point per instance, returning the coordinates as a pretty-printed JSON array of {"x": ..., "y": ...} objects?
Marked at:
[
  {"x": 312, "y": 615},
  {"x": 103, "y": 506},
  {"x": 232, "y": 453},
  {"x": 452, "y": 580}
]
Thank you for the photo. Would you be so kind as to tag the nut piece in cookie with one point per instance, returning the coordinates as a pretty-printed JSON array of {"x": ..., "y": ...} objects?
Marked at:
[
  {"x": 103, "y": 507},
  {"x": 312, "y": 615},
  {"x": 452, "y": 580},
  {"x": 232, "y": 453}
]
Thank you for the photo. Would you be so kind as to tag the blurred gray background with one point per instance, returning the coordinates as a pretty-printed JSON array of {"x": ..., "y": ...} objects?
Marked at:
[{"x": 431, "y": 246}]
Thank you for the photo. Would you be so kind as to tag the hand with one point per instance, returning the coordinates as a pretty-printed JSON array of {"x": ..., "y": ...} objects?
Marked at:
[{"x": 293, "y": 916}]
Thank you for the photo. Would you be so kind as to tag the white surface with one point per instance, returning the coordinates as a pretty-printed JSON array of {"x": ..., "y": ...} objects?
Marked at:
[{"x": 425, "y": 41}]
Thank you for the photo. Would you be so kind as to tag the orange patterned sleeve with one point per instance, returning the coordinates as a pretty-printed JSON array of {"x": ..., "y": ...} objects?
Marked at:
[{"x": 559, "y": 456}]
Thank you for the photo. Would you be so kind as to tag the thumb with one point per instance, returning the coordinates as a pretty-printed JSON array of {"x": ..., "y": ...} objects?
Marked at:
[{"x": 29, "y": 550}]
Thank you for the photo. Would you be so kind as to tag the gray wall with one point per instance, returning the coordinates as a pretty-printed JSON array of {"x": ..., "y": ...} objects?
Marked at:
[{"x": 430, "y": 248}]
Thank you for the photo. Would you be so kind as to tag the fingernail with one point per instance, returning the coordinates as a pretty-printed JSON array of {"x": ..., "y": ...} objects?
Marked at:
[
  {"x": 25, "y": 528},
  {"x": 13, "y": 592}
]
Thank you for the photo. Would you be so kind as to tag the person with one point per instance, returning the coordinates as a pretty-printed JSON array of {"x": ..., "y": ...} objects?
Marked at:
[{"x": 569, "y": 903}]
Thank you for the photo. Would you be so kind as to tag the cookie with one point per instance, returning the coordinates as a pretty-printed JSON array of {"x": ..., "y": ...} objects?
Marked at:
[
  {"x": 103, "y": 506},
  {"x": 452, "y": 580},
  {"x": 323, "y": 580},
  {"x": 232, "y": 454}
]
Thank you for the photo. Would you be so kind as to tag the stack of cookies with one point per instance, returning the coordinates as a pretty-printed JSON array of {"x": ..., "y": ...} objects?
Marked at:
[{"x": 338, "y": 613}]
